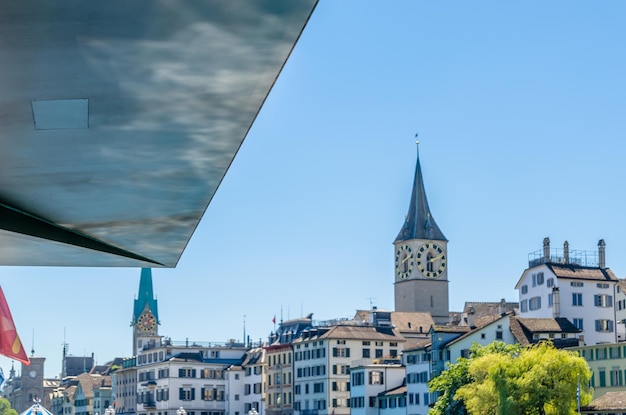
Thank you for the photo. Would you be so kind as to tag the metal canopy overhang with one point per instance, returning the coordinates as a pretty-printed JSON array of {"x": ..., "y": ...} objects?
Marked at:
[{"x": 119, "y": 119}]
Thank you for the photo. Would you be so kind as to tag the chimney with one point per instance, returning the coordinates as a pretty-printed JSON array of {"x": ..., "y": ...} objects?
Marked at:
[
  {"x": 471, "y": 318},
  {"x": 566, "y": 252},
  {"x": 601, "y": 254},
  {"x": 556, "y": 302},
  {"x": 546, "y": 250}
]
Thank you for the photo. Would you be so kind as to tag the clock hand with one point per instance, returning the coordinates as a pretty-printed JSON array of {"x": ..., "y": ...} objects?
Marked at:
[
  {"x": 436, "y": 258},
  {"x": 406, "y": 259}
]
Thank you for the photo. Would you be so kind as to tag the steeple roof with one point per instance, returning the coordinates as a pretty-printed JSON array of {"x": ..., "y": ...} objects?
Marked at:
[
  {"x": 145, "y": 296},
  {"x": 419, "y": 222}
]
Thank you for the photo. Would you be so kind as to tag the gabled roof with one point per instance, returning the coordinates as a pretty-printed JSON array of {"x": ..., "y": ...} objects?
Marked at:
[
  {"x": 350, "y": 332},
  {"x": 524, "y": 329},
  {"x": 487, "y": 321},
  {"x": 88, "y": 382},
  {"x": 582, "y": 273},
  {"x": 450, "y": 329},
  {"x": 416, "y": 344},
  {"x": 419, "y": 222},
  {"x": 406, "y": 322},
  {"x": 574, "y": 272},
  {"x": 254, "y": 356},
  {"x": 610, "y": 401}
]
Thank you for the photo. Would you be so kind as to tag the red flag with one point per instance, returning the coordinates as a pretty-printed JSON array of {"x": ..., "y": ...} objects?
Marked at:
[
  {"x": 10, "y": 344},
  {"x": 274, "y": 320}
]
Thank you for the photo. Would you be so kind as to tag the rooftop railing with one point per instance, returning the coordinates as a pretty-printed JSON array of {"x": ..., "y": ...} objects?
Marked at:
[{"x": 557, "y": 256}]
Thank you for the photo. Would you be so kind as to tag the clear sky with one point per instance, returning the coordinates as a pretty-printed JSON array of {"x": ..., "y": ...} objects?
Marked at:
[{"x": 520, "y": 109}]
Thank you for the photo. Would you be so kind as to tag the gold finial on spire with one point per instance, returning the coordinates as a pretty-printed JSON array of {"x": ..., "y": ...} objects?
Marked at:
[{"x": 416, "y": 141}]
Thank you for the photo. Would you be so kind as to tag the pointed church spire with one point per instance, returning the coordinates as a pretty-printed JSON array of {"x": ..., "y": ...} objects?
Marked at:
[
  {"x": 419, "y": 222},
  {"x": 145, "y": 296}
]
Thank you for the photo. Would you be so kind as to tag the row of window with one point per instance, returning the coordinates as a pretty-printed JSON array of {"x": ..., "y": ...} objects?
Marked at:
[
  {"x": 392, "y": 402},
  {"x": 599, "y": 300},
  {"x": 186, "y": 393},
  {"x": 318, "y": 387},
  {"x": 159, "y": 356},
  {"x": 256, "y": 369},
  {"x": 616, "y": 378},
  {"x": 414, "y": 399},
  {"x": 417, "y": 377},
  {"x": 256, "y": 388},
  {"x": 317, "y": 404},
  {"x": 278, "y": 398},
  {"x": 192, "y": 373},
  {"x": 603, "y": 353},
  {"x": 279, "y": 358},
  {"x": 309, "y": 354},
  {"x": 304, "y": 372},
  {"x": 537, "y": 279},
  {"x": 285, "y": 379}
]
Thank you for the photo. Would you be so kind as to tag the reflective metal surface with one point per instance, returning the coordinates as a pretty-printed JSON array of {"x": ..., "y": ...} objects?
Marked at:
[{"x": 119, "y": 119}]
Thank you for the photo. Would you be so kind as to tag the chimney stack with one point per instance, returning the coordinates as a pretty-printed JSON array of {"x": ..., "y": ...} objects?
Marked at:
[
  {"x": 471, "y": 318},
  {"x": 601, "y": 254},
  {"x": 546, "y": 250},
  {"x": 566, "y": 252},
  {"x": 556, "y": 302}
]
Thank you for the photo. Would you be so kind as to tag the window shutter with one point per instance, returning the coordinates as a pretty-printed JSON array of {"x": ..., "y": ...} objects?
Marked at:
[
  {"x": 335, "y": 352},
  {"x": 193, "y": 373},
  {"x": 193, "y": 394},
  {"x": 597, "y": 325},
  {"x": 181, "y": 373},
  {"x": 181, "y": 394},
  {"x": 348, "y": 352}
]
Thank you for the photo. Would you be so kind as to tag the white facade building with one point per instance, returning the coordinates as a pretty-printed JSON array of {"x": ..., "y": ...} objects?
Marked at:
[{"x": 578, "y": 287}]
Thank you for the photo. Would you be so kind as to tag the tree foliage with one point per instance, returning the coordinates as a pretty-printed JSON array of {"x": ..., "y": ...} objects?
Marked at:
[
  {"x": 5, "y": 407},
  {"x": 457, "y": 375},
  {"x": 498, "y": 379}
]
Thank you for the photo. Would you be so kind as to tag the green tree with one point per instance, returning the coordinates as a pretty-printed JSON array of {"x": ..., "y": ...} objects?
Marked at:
[
  {"x": 457, "y": 375},
  {"x": 539, "y": 380},
  {"x": 5, "y": 407}
]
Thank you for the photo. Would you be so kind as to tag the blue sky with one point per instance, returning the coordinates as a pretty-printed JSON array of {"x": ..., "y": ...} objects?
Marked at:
[{"x": 520, "y": 113}]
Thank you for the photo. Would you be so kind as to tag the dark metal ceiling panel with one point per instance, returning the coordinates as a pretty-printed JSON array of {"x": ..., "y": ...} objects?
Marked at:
[{"x": 119, "y": 119}]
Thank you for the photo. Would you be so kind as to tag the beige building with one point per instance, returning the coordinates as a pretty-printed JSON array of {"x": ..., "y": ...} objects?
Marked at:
[{"x": 608, "y": 366}]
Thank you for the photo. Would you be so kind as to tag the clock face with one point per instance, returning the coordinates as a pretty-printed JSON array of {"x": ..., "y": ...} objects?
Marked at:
[
  {"x": 404, "y": 261},
  {"x": 146, "y": 322},
  {"x": 32, "y": 373},
  {"x": 431, "y": 260}
]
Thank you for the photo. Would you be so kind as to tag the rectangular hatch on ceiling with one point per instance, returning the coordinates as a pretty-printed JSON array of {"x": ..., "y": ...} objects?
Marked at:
[{"x": 58, "y": 114}]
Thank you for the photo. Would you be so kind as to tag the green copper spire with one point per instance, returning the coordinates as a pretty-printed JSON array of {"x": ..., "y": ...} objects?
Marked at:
[
  {"x": 145, "y": 296},
  {"x": 419, "y": 222}
]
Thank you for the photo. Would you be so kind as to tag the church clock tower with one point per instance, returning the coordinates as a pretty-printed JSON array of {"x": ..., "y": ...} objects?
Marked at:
[
  {"x": 421, "y": 258},
  {"x": 145, "y": 314}
]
